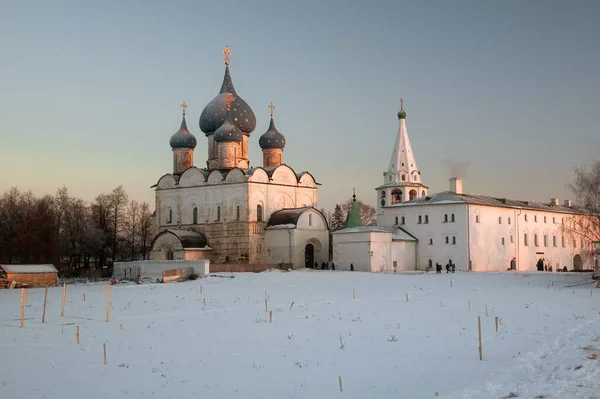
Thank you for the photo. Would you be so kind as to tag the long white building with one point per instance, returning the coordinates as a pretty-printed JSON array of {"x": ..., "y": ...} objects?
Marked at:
[{"x": 415, "y": 229}]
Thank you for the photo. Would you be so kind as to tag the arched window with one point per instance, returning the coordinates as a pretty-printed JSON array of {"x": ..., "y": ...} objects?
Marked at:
[
  {"x": 169, "y": 254},
  {"x": 383, "y": 194},
  {"x": 195, "y": 215},
  {"x": 396, "y": 197},
  {"x": 396, "y": 220},
  {"x": 423, "y": 193},
  {"x": 169, "y": 216},
  {"x": 412, "y": 195},
  {"x": 218, "y": 213},
  {"x": 237, "y": 212},
  {"x": 403, "y": 177},
  {"x": 259, "y": 213}
]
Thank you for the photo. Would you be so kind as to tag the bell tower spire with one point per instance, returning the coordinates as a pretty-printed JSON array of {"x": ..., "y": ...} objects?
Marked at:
[{"x": 402, "y": 181}]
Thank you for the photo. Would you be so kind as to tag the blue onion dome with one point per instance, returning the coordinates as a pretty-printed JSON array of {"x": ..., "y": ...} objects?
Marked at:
[
  {"x": 183, "y": 138},
  {"x": 228, "y": 131},
  {"x": 213, "y": 116},
  {"x": 272, "y": 138}
]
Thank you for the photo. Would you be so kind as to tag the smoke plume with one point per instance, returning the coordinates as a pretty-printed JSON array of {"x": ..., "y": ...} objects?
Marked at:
[{"x": 456, "y": 168}]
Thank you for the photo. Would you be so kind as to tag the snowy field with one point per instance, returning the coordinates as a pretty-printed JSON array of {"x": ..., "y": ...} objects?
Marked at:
[{"x": 211, "y": 338}]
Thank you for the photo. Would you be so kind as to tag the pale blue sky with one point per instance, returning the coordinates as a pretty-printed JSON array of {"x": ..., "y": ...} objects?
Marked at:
[{"x": 90, "y": 91}]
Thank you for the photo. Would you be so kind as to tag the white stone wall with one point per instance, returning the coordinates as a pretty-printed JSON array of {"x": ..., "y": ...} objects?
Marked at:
[
  {"x": 373, "y": 252},
  {"x": 310, "y": 229},
  {"x": 488, "y": 253},
  {"x": 228, "y": 195},
  {"x": 432, "y": 232}
]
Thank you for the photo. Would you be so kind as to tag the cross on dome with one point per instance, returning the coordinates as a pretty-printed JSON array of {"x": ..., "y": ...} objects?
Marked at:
[
  {"x": 272, "y": 110},
  {"x": 227, "y": 53},
  {"x": 183, "y": 106}
]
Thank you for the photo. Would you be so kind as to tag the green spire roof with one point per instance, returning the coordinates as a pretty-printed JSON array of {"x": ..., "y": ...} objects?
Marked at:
[{"x": 353, "y": 218}]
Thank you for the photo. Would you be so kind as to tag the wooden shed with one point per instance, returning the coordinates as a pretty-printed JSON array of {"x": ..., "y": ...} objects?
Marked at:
[{"x": 30, "y": 276}]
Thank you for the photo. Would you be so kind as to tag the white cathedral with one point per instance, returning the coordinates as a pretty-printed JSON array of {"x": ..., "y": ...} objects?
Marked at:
[
  {"x": 228, "y": 211},
  {"x": 416, "y": 230}
]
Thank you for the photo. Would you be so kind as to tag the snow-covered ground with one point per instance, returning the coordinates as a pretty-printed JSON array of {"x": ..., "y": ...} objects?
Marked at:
[{"x": 174, "y": 346}]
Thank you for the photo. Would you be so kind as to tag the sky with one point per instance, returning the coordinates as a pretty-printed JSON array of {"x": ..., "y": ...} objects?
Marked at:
[{"x": 90, "y": 91}]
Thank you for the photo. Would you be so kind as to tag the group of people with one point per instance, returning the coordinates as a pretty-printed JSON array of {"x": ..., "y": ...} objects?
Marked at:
[
  {"x": 450, "y": 267},
  {"x": 327, "y": 266}
]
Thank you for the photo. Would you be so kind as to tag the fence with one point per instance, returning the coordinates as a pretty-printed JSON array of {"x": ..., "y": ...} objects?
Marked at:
[{"x": 154, "y": 268}]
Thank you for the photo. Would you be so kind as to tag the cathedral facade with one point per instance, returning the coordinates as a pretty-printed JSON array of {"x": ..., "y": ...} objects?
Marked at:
[
  {"x": 227, "y": 211},
  {"x": 416, "y": 230}
]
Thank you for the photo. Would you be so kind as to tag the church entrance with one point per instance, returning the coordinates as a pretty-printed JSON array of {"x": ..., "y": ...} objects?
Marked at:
[
  {"x": 309, "y": 255},
  {"x": 577, "y": 262}
]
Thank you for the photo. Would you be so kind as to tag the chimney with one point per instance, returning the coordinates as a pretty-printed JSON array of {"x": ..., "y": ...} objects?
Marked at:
[
  {"x": 554, "y": 201},
  {"x": 456, "y": 185},
  {"x": 568, "y": 203}
]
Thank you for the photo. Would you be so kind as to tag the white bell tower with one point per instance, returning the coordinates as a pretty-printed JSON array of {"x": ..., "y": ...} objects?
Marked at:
[{"x": 402, "y": 181}]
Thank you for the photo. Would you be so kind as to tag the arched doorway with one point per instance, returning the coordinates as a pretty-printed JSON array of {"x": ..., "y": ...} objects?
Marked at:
[
  {"x": 577, "y": 262},
  {"x": 412, "y": 194},
  {"x": 309, "y": 255}
]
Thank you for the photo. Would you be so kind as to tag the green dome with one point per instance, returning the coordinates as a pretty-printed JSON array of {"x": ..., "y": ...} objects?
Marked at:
[{"x": 402, "y": 114}]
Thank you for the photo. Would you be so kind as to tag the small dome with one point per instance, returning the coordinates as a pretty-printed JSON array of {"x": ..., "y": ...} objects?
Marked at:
[
  {"x": 213, "y": 115},
  {"x": 272, "y": 138},
  {"x": 402, "y": 113},
  {"x": 183, "y": 138},
  {"x": 228, "y": 131}
]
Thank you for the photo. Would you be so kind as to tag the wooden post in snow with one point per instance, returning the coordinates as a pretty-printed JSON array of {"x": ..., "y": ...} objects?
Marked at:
[
  {"x": 107, "y": 302},
  {"x": 406, "y": 297},
  {"x": 22, "y": 307},
  {"x": 45, "y": 298},
  {"x": 105, "y": 353},
  {"x": 354, "y": 292},
  {"x": 479, "y": 330},
  {"x": 340, "y": 381},
  {"x": 266, "y": 305},
  {"x": 271, "y": 316},
  {"x": 64, "y": 297},
  {"x": 496, "y": 323},
  {"x": 77, "y": 334},
  {"x": 83, "y": 297}
]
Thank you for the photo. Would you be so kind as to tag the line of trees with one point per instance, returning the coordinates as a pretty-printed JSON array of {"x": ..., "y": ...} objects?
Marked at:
[{"x": 71, "y": 234}]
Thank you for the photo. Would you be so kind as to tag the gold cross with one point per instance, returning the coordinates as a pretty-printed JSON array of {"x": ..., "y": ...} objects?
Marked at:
[
  {"x": 227, "y": 53},
  {"x": 401, "y": 102},
  {"x": 183, "y": 106},
  {"x": 272, "y": 108}
]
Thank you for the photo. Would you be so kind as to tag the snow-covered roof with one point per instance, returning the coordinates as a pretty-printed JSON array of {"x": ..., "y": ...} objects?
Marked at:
[
  {"x": 23, "y": 269},
  {"x": 398, "y": 234},
  {"x": 448, "y": 197}
]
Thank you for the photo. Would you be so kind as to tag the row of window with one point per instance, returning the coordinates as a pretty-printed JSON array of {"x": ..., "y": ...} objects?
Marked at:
[
  {"x": 535, "y": 219},
  {"x": 447, "y": 240},
  {"x": 259, "y": 214},
  {"x": 536, "y": 242},
  {"x": 399, "y": 220},
  {"x": 449, "y": 218}
]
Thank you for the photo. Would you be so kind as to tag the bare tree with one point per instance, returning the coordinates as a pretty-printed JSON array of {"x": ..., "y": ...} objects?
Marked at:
[
  {"x": 118, "y": 201},
  {"x": 132, "y": 226},
  {"x": 585, "y": 223},
  {"x": 146, "y": 229},
  {"x": 367, "y": 212}
]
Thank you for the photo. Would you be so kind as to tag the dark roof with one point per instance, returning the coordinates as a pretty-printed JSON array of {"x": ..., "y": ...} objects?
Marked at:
[
  {"x": 183, "y": 138},
  {"x": 228, "y": 131},
  {"x": 287, "y": 216},
  {"x": 272, "y": 138},
  {"x": 213, "y": 114},
  {"x": 449, "y": 197},
  {"x": 188, "y": 238}
]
